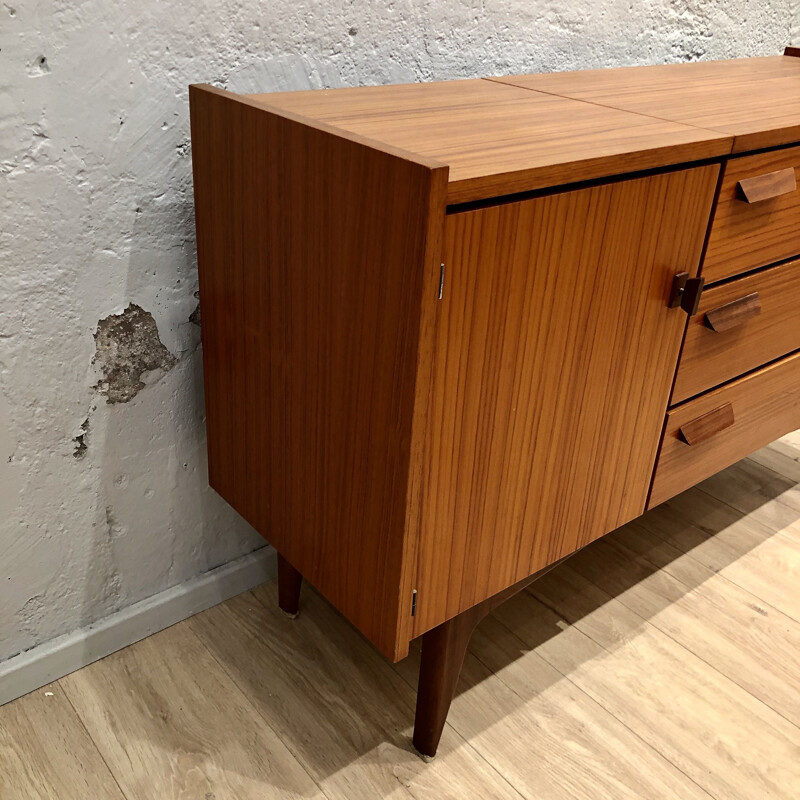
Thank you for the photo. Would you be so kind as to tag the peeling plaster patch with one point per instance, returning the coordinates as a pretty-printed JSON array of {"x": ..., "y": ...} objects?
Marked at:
[
  {"x": 194, "y": 317},
  {"x": 128, "y": 349},
  {"x": 81, "y": 445},
  {"x": 31, "y": 615}
]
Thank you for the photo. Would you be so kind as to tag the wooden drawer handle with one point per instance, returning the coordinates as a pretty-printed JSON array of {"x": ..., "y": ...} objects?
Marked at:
[
  {"x": 686, "y": 292},
  {"x": 706, "y": 425},
  {"x": 764, "y": 187},
  {"x": 737, "y": 312}
]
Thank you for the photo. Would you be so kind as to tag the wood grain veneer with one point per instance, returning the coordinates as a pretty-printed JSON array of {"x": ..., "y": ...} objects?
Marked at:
[
  {"x": 554, "y": 356},
  {"x": 765, "y": 405},
  {"x": 747, "y": 235},
  {"x": 314, "y": 251},
  {"x": 711, "y": 357},
  {"x": 754, "y": 100},
  {"x": 500, "y": 139}
]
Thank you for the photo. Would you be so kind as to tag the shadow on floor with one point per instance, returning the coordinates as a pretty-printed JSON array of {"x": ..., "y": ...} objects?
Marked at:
[{"x": 337, "y": 703}]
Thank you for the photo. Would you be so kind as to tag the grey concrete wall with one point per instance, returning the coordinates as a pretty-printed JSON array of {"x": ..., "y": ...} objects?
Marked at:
[{"x": 103, "y": 497}]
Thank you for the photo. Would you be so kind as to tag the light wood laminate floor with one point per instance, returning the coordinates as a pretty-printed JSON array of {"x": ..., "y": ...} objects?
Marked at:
[{"x": 661, "y": 662}]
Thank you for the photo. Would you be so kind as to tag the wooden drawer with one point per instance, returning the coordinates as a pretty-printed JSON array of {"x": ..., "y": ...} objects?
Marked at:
[
  {"x": 725, "y": 425},
  {"x": 740, "y": 326},
  {"x": 757, "y": 220}
]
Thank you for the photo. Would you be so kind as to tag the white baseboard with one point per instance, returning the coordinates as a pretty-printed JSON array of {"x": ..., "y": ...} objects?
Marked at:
[{"x": 52, "y": 660}]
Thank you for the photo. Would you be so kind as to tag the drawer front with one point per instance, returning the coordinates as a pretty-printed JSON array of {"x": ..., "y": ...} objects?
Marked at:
[
  {"x": 740, "y": 326},
  {"x": 757, "y": 220},
  {"x": 716, "y": 429}
]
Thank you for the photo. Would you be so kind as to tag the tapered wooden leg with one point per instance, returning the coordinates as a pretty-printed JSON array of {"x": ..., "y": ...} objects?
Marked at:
[
  {"x": 443, "y": 651},
  {"x": 289, "y": 583}
]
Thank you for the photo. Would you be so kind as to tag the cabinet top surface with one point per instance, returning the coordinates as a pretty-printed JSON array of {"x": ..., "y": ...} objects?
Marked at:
[
  {"x": 518, "y": 133},
  {"x": 755, "y": 100},
  {"x": 500, "y": 139}
]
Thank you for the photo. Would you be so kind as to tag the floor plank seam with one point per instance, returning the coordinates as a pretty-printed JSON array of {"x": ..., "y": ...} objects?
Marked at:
[
  {"x": 741, "y": 588},
  {"x": 716, "y": 575},
  {"x": 449, "y": 725},
  {"x": 745, "y": 512},
  {"x": 628, "y": 672},
  {"x": 92, "y": 740},
  {"x": 590, "y": 699},
  {"x": 255, "y": 708},
  {"x": 608, "y": 710},
  {"x": 410, "y": 706},
  {"x": 683, "y": 646}
]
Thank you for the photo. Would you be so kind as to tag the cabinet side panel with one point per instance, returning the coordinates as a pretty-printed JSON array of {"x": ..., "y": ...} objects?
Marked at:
[
  {"x": 553, "y": 361},
  {"x": 312, "y": 250}
]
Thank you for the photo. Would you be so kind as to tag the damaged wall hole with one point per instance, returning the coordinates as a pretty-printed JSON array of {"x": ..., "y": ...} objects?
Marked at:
[
  {"x": 38, "y": 66},
  {"x": 127, "y": 349},
  {"x": 194, "y": 317},
  {"x": 114, "y": 528},
  {"x": 81, "y": 445}
]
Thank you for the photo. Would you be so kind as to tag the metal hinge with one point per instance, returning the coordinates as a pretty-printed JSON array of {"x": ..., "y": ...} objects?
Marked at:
[
  {"x": 414, "y": 603},
  {"x": 441, "y": 280}
]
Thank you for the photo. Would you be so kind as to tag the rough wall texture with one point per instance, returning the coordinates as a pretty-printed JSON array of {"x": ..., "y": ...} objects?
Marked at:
[{"x": 103, "y": 497}]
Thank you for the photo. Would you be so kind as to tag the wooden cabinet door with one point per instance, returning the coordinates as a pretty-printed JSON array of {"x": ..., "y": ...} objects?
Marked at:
[{"x": 554, "y": 356}]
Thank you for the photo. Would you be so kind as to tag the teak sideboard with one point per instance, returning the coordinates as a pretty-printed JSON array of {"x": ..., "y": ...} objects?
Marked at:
[{"x": 453, "y": 332}]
